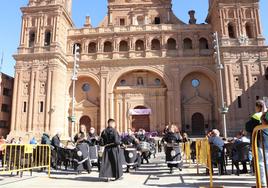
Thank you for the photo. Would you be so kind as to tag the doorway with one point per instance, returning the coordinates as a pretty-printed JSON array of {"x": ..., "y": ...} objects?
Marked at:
[
  {"x": 85, "y": 120},
  {"x": 198, "y": 124},
  {"x": 141, "y": 121}
]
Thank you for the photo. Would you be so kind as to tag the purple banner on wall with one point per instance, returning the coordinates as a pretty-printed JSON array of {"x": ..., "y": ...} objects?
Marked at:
[{"x": 138, "y": 112}]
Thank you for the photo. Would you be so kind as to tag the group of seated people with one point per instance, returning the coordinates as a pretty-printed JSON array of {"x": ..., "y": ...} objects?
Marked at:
[{"x": 235, "y": 154}]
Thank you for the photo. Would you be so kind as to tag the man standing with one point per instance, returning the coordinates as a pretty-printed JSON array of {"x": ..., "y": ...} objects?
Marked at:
[{"x": 111, "y": 166}]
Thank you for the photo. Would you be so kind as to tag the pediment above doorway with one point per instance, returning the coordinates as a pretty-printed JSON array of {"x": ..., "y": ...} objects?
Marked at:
[
  {"x": 197, "y": 100},
  {"x": 86, "y": 104}
]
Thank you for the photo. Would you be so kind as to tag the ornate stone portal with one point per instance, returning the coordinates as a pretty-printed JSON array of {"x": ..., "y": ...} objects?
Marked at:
[{"x": 141, "y": 56}]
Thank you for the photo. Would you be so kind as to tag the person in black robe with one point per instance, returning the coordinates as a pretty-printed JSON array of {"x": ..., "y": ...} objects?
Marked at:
[
  {"x": 82, "y": 157},
  {"x": 131, "y": 141},
  {"x": 111, "y": 165}
]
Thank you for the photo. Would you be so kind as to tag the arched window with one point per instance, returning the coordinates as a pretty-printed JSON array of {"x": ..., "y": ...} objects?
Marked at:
[
  {"x": 31, "y": 38},
  {"x": 249, "y": 30},
  {"x": 231, "y": 30},
  {"x": 80, "y": 48},
  {"x": 157, "y": 20},
  {"x": 203, "y": 43},
  {"x": 139, "y": 45},
  {"x": 47, "y": 38},
  {"x": 123, "y": 46},
  {"x": 92, "y": 47},
  {"x": 108, "y": 47},
  {"x": 155, "y": 45},
  {"x": 187, "y": 44},
  {"x": 171, "y": 44}
]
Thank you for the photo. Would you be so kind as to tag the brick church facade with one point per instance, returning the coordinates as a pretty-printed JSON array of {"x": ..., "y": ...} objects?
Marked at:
[{"x": 142, "y": 66}]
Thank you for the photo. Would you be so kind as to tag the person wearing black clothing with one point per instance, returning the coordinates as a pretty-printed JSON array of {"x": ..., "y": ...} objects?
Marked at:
[
  {"x": 143, "y": 138},
  {"x": 111, "y": 165},
  {"x": 55, "y": 155},
  {"x": 93, "y": 137},
  {"x": 55, "y": 142},
  {"x": 131, "y": 141},
  {"x": 82, "y": 136},
  {"x": 172, "y": 139},
  {"x": 82, "y": 157},
  {"x": 255, "y": 119},
  {"x": 45, "y": 139},
  {"x": 216, "y": 141}
]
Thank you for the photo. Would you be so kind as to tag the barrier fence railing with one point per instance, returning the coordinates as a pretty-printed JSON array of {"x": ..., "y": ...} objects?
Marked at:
[
  {"x": 20, "y": 158},
  {"x": 203, "y": 157},
  {"x": 258, "y": 148},
  {"x": 186, "y": 148}
]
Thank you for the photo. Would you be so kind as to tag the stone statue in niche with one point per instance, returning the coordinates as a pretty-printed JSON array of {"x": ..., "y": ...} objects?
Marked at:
[{"x": 140, "y": 81}]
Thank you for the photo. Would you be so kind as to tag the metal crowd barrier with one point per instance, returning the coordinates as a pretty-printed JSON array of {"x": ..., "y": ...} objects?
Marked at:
[
  {"x": 187, "y": 151},
  {"x": 258, "y": 144},
  {"x": 20, "y": 158},
  {"x": 203, "y": 157}
]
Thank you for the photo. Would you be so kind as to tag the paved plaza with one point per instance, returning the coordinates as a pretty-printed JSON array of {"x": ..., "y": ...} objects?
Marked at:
[{"x": 155, "y": 174}]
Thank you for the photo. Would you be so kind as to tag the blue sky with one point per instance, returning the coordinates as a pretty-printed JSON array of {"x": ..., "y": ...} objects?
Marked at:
[{"x": 10, "y": 20}]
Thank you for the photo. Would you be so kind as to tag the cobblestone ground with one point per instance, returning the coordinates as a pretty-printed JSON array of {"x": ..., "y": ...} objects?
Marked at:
[{"x": 155, "y": 174}]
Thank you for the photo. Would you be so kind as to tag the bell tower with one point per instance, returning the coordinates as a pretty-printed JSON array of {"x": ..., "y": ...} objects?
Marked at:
[
  {"x": 236, "y": 19},
  {"x": 243, "y": 53},
  {"x": 41, "y": 68}
]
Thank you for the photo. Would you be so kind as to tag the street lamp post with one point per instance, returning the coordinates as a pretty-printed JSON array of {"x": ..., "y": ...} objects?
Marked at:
[
  {"x": 72, "y": 118},
  {"x": 223, "y": 109}
]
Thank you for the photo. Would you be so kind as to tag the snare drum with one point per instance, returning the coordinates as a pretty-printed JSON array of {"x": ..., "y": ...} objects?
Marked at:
[
  {"x": 130, "y": 156},
  {"x": 145, "y": 146}
]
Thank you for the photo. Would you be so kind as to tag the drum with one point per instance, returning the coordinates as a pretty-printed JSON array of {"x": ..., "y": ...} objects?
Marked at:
[
  {"x": 173, "y": 154},
  {"x": 93, "y": 154},
  {"x": 145, "y": 146},
  {"x": 130, "y": 156}
]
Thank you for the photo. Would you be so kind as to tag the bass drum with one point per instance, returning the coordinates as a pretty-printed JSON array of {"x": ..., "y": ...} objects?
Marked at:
[
  {"x": 131, "y": 156},
  {"x": 173, "y": 157}
]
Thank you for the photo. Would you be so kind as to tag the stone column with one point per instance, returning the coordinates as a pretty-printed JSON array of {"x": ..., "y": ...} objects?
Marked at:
[
  {"x": 15, "y": 102},
  {"x": 103, "y": 99},
  {"x": 35, "y": 99},
  {"x": 111, "y": 105},
  {"x": 48, "y": 96},
  {"x": 31, "y": 105}
]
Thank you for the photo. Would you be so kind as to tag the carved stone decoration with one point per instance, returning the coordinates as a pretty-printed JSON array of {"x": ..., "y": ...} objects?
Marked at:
[
  {"x": 26, "y": 76},
  {"x": 43, "y": 75},
  {"x": 238, "y": 82},
  {"x": 236, "y": 69},
  {"x": 42, "y": 90},
  {"x": 25, "y": 88}
]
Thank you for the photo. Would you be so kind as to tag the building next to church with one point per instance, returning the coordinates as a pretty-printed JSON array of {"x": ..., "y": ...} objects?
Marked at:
[
  {"x": 6, "y": 92},
  {"x": 142, "y": 66}
]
